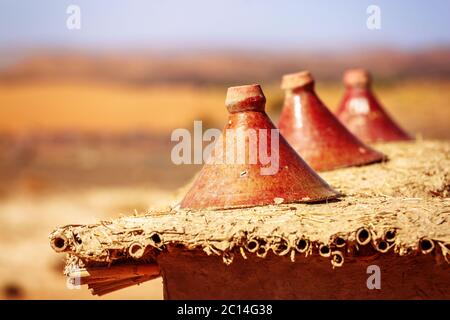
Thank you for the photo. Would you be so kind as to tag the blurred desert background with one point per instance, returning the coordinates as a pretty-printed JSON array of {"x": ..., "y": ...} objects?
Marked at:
[{"x": 85, "y": 131}]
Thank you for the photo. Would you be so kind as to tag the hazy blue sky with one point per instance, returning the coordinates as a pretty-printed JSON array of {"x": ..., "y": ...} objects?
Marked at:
[{"x": 224, "y": 23}]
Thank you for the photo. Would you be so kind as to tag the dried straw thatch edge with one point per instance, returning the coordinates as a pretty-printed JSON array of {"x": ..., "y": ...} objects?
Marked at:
[{"x": 144, "y": 249}]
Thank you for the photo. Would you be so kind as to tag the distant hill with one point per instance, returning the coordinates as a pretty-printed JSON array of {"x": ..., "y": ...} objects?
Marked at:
[{"x": 142, "y": 68}]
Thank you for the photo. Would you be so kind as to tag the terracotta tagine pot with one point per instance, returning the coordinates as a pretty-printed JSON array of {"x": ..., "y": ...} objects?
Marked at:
[
  {"x": 314, "y": 132},
  {"x": 252, "y": 164},
  {"x": 363, "y": 115}
]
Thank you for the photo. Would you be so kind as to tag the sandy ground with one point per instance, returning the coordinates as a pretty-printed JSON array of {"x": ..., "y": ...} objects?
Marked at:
[
  {"x": 30, "y": 269},
  {"x": 422, "y": 107}
]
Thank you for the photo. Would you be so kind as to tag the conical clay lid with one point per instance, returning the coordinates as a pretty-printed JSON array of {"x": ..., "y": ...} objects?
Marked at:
[
  {"x": 263, "y": 170},
  {"x": 363, "y": 115},
  {"x": 314, "y": 132}
]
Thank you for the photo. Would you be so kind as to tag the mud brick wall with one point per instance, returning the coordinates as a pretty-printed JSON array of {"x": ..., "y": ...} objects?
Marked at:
[{"x": 194, "y": 275}]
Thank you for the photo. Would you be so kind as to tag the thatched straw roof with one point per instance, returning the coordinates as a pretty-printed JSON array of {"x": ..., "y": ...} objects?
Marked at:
[{"x": 400, "y": 206}]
